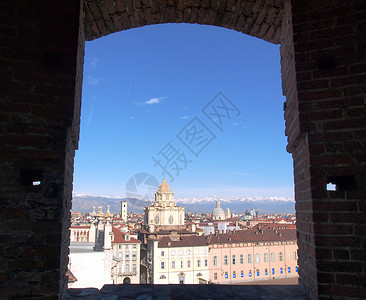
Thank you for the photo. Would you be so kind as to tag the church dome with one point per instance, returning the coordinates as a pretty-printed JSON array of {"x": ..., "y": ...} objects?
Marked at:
[
  {"x": 218, "y": 213},
  {"x": 164, "y": 187}
]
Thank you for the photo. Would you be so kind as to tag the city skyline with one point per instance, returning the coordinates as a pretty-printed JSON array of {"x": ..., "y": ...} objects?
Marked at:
[{"x": 147, "y": 88}]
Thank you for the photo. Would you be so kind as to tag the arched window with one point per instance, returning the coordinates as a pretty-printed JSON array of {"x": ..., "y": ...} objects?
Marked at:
[
  {"x": 241, "y": 258},
  {"x": 226, "y": 260},
  {"x": 199, "y": 274},
  {"x": 257, "y": 258},
  {"x": 265, "y": 257},
  {"x": 162, "y": 277}
]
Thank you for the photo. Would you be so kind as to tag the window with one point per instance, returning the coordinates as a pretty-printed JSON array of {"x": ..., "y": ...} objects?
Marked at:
[
  {"x": 215, "y": 276},
  {"x": 173, "y": 264},
  {"x": 162, "y": 253},
  {"x": 296, "y": 269},
  {"x": 226, "y": 275},
  {"x": 134, "y": 246},
  {"x": 127, "y": 269},
  {"x": 198, "y": 263},
  {"x": 295, "y": 255},
  {"x": 273, "y": 271},
  {"x": 250, "y": 259},
  {"x": 281, "y": 270},
  {"x": 241, "y": 273},
  {"x": 162, "y": 277},
  {"x": 188, "y": 252},
  {"x": 134, "y": 255},
  {"x": 188, "y": 263},
  {"x": 215, "y": 260},
  {"x": 234, "y": 259},
  {"x": 234, "y": 274},
  {"x": 266, "y": 272},
  {"x": 258, "y": 274},
  {"x": 120, "y": 255},
  {"x": 206, "y": 262},
  {"x": 127, "y": 256},
  {"x": 126, "y": 246},
  {"x": 181, "y": 263},
  {"x": 289, "y": 270},
  {"x": 226, "y": 260},
  {"x": 173, "y": 252},
  {"x": 162, "y": 265},
  {"x": 257, "y": 258},
  {"x": 241, "y": 260},
  {"x": 181, "y": 252},
  {"x": 119, "y": 246},
  {"x": 250, "y": 273},
  {"x": 134, "y": 268},
  {"x": 288, "y": 255},
  {"x": 280, "y": 256},
  {"x": 273, "y": 257},
  {"x": 265, "y": 257}
]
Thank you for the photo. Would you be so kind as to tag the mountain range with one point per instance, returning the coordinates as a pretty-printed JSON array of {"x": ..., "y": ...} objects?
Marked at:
[{"x": 266, "y": 205}]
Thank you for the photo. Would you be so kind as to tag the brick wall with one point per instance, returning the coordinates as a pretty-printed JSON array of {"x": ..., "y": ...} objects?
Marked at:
[
  {"x": 38, "y": 54},
  {"x": 324, "y": 74},
  {"x": 330, "y": 52}
]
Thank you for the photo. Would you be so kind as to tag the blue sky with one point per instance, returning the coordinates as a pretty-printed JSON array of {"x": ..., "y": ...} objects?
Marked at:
[{"x": 153, "y": 92}]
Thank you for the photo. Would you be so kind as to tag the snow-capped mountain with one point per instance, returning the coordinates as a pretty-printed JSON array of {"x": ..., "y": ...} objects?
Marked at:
[{"x": 85, "y": 203}]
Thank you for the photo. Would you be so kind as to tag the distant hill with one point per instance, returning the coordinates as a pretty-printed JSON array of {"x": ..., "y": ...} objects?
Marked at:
[{"x": 85, "y": 203}]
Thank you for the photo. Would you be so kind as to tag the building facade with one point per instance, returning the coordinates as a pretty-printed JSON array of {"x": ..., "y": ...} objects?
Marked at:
[
  {"x": 250, "y": 255},
  {"x": 126, "y": 257},
  {"x": 163, "y": 213},
  {"x": 181, "y": 261}
]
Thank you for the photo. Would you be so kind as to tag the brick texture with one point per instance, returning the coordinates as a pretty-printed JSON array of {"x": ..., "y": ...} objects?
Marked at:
[
  {"x": 329, "y": 54},
  {"x": 259, "y": 18},
  {"x": 323, "y": 54},
  {"x": 41, "y": 56}
]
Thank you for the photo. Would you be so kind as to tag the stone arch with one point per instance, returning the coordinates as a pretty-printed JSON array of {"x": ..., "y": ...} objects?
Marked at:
[
  {"x": 127, "y": 280},
  {"x": 258, "y": 18}
]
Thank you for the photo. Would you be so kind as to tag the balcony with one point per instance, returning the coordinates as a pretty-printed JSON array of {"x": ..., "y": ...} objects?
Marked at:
[{"x": 129, "y": 273}]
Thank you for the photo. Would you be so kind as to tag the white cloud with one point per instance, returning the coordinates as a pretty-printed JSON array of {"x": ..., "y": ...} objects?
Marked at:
[
  {"x": 93, "y": 80},
  {"x": 184, "y": 117},
  {"x": 153, "y": 101},
  {"x": 91, "y": 114},
  {"x": 94, "y": 62}
]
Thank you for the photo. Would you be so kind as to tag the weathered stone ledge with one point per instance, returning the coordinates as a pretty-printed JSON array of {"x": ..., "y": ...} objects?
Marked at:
[{"x": 189, "y": 292}]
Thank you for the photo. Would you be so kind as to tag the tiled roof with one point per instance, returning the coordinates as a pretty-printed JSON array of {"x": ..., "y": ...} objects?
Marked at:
[
  {"x": 274, "y": 226},
  {"x": 239, "y": 236},
  {"x": 119, "y": 237},
  {"x": 70, "y": 277},
  {"x": 84, "y": 227},
  {"x": 253, "y": 235},
  {"x": 184, "y": 241}
]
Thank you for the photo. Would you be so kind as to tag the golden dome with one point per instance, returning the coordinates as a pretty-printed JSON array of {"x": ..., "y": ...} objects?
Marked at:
[{"x": 164, "y": 187}]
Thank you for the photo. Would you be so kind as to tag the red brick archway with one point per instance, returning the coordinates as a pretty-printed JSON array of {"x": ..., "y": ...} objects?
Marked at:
[{"x": 323, "y": 77}]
